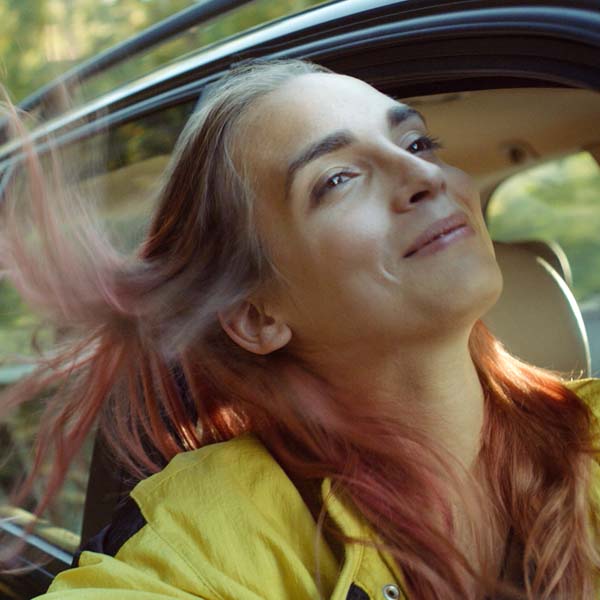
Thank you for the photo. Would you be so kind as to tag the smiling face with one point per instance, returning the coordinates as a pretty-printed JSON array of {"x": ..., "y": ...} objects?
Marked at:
[{"x": 376, "y": 240}]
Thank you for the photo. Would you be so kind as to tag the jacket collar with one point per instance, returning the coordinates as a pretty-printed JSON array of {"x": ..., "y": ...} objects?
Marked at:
[{"x": 366, "y": 564}]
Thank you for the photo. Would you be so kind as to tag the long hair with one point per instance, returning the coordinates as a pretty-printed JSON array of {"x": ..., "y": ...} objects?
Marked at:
[{"x": 148, "y": 363}]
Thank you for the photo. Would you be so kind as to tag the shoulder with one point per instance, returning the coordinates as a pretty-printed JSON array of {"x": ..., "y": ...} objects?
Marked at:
[
  {"x": 240, "y": 466},
  {"x": 219, "y": 492},
  {"x": 589, "y": 387},
  {"x": 226, "y": 515},
  {"x": 205, "y": 491},
  {"x": 589, "y": 391},
  {"x": 198, "y": 486}
]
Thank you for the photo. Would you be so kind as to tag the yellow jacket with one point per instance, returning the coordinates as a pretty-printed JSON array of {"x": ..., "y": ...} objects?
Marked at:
[{"x": 225, "y": 523}]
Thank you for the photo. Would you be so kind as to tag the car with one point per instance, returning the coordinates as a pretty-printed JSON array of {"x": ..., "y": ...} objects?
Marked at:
[{"x": 511, "y": 89}]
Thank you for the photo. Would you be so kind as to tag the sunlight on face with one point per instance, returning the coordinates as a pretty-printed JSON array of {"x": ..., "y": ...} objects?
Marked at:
[{"x": 376, "y": 239}]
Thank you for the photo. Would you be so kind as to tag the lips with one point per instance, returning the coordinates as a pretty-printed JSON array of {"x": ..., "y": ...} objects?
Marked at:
[{"x": 437, "y": 230}]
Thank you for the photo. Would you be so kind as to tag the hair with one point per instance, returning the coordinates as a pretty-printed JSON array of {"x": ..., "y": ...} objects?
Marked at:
[{"x": 148, "y": 363}]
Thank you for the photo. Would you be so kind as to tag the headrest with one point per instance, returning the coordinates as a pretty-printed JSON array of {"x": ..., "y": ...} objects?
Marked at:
[{"x": 537, "y": 317}]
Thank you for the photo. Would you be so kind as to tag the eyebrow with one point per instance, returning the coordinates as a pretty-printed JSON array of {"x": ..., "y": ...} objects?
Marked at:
[
  {"x": 399, "y": 113},
  {"x": 340, "y": 139}
]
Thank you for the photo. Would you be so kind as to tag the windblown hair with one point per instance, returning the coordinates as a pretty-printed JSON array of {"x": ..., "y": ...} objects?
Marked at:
[{"x": 148, "y": 363}]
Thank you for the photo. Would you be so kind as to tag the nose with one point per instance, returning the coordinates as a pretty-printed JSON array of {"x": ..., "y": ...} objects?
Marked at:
[{"x": 414, "y": 179}]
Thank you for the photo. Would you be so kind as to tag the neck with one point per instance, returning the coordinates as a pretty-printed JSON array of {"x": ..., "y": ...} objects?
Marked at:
[
  {"x": 435, "y": 388},
  {"x": 436, "y": 384}
]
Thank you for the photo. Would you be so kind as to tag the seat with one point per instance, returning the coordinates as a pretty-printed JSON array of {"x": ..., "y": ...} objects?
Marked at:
[{"x": 537, "y": 317}]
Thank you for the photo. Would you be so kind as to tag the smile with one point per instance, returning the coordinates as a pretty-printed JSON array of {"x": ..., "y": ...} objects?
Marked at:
[{"x": 440, "y": 235}]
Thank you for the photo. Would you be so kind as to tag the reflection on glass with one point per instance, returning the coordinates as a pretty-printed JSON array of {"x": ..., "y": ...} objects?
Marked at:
[
  {"x": 59, "y": 35},
  {"x": 131, "y": 159}
]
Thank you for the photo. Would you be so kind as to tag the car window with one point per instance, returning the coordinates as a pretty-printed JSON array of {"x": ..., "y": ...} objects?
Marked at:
[
  {"x": 558, "y": 201},
  {"x": 55, "y": 35},
  {"x": 60, "y": 35},
  {"x": 133, "y": 157},
  {"x": 240, "y": 19}
]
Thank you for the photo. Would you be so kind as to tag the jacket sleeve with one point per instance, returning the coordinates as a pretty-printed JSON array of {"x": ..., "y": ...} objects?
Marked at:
[
  {"x": 102, "y": 577},
  {"x": 129, "y": 560}
]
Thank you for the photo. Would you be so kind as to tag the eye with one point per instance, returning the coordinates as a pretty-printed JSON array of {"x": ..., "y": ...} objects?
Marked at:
[
  {"x": 424, "y": 144},
  {"x": 333, "y": 181}
]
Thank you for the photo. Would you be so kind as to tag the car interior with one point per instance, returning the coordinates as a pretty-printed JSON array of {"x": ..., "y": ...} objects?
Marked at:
[
  {"x": 494, "y": 135},
  {"x": 491, "y": 134},
  {"x": 503, "y": 132}
]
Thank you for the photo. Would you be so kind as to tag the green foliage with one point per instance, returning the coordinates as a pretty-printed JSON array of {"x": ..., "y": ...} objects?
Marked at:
[
  {"x": 557, "y": 201},
  {"x": 40, "y": 39},
  {"x": 17, "y": 324}
]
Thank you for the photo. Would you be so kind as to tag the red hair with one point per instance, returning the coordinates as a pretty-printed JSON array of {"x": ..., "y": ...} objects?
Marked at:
[{"x": 149, "y": 363}]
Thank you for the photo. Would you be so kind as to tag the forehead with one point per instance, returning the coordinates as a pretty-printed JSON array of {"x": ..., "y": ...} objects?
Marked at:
[
  {"x": 318, "y": 99},
  {"x": 303, "y": 110}
]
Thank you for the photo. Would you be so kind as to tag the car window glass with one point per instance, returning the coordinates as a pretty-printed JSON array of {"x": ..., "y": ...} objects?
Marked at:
[
  {"x": 558, "y": 201},
  {"x": 133, "y": 158},
  {"x": 251, "y": 14},
  {"x": 60, "y": 34}
]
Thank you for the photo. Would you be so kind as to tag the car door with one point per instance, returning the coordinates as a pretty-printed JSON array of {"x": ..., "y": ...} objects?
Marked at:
[{"x": 441, "y": 54}]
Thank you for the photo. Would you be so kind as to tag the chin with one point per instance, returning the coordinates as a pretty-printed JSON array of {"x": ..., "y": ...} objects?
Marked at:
[{"x": 474, "y": 291}]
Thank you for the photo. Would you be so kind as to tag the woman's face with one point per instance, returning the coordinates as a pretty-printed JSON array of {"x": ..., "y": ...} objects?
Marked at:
[{"x": 376, "y": 240}]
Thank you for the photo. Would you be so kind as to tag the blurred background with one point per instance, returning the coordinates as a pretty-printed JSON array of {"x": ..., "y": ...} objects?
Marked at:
[
  {"x": 41, "y": 40},
  {"x": 555, "y": 201}
]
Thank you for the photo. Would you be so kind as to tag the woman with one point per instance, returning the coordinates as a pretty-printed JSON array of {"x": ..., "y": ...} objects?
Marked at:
[{"x": 309, "y": 294}]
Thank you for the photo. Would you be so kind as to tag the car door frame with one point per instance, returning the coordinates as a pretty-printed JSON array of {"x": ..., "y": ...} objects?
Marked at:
[{"x": 404, "y": 47}]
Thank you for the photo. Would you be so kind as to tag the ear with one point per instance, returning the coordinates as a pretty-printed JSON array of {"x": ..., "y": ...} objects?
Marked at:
[{"x": 253, "y": 329}]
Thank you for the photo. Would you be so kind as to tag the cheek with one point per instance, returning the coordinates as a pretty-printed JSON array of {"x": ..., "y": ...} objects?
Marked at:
[
  {"x": 351, "y": 241},
  {"x": 462, "y": 187},
  {"x": 337, "y": 262}
]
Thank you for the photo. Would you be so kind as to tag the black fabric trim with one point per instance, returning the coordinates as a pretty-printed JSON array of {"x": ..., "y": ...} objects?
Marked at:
[
  {"x": 126, "y": 522},
  {"x": 357, "y": 593}
]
